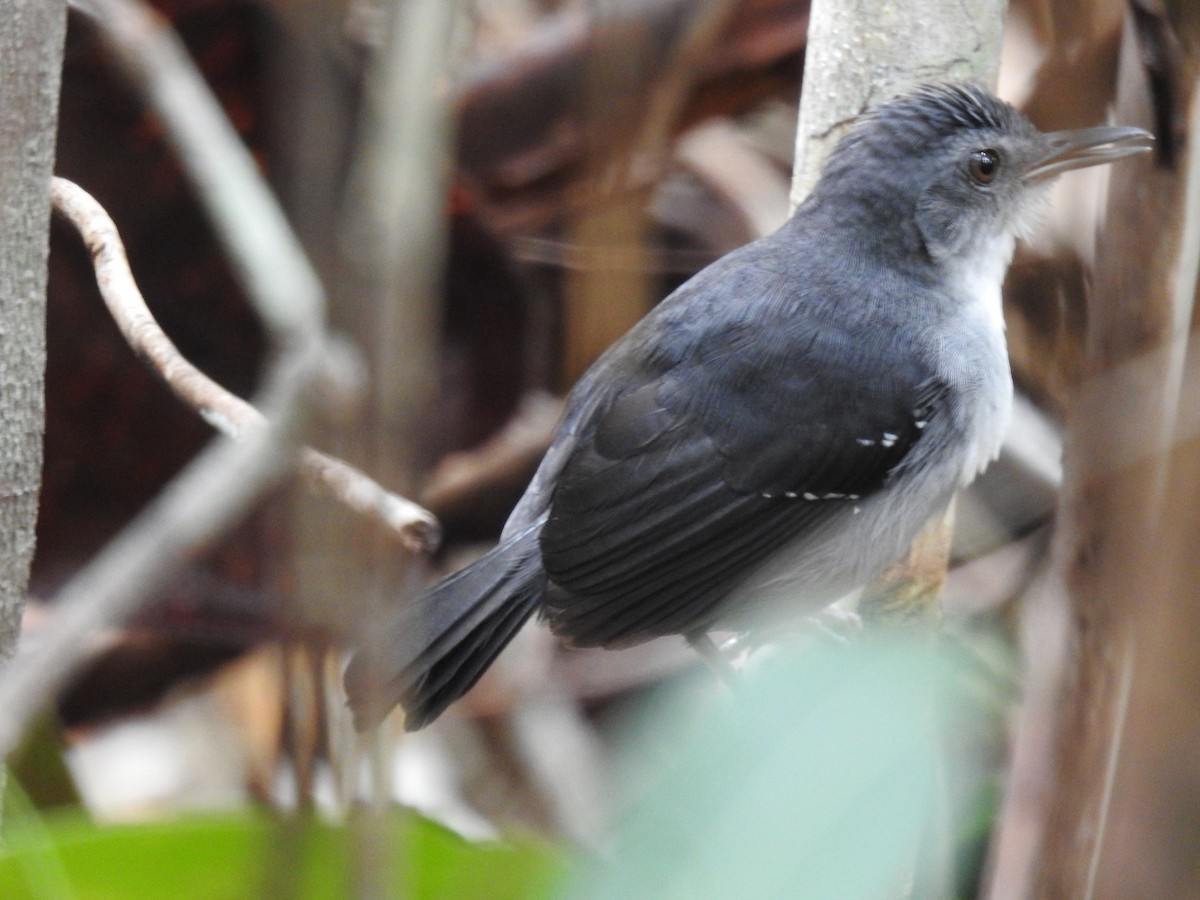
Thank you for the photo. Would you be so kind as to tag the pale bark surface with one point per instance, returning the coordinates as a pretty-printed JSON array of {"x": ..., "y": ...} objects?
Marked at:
[{"x": 31, "y": 42}]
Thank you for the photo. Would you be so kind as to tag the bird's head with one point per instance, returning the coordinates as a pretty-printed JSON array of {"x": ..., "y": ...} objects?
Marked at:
[{"x": 966, "y": 169}]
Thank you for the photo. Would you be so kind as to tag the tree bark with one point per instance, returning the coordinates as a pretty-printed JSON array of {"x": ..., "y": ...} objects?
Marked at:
[
  {"x": 1123, "y": 820},
  {"x": 31, "y": 48}
]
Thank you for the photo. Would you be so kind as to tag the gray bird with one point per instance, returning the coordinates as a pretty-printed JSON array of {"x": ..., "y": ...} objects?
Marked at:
[{"x": 775, "y": 433}]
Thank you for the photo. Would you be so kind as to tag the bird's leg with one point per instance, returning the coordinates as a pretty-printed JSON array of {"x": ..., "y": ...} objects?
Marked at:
[{"x": 711, "y": 654}]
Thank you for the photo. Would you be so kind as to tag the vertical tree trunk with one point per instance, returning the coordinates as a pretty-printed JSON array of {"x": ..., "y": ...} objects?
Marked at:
[
  {"x": 1124, "y": 819},
  {"x": 31, "y": 47}
]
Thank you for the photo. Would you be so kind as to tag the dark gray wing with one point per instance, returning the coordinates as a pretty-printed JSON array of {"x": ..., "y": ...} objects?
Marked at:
[{"x": 732, "y": 432}]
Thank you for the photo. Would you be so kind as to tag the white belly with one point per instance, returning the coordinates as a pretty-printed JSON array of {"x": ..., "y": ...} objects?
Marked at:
[{"x": 863, "y": 539}]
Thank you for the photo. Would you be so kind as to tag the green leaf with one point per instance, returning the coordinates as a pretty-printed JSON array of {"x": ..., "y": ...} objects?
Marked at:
[
  {"x": 816, "y": 777},
  {"x": 241, "y": 856}
]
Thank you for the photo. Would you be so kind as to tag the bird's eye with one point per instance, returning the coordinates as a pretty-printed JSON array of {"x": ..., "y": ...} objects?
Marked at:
[{"x": 983, "y": 165}]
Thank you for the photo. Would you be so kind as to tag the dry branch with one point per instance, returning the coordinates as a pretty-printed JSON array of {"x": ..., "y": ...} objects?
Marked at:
[
  {"x": 270, "y": 264},
  {"x": 231, "y": 415}
]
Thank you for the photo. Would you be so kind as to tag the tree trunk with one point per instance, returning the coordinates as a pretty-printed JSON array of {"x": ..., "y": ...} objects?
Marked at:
[
  {"x": 31, "y": 47},
  {"x": 1123, "y": 820}
]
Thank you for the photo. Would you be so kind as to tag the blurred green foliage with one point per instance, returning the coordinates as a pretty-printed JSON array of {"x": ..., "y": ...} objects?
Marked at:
[
  {"x": 820, "y": 776},
  {"x": 248, "y": 856}
]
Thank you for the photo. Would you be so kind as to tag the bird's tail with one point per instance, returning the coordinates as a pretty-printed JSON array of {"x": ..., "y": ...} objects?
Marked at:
[{"x": 435, "y": 649}]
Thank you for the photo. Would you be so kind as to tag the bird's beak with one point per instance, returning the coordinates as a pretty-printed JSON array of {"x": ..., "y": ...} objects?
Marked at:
[{"x": 1082, "y": 147}]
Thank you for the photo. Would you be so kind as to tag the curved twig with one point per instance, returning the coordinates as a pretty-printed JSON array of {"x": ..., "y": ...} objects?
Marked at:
[
  {"x": 230, "y": 414},
  {"x": 215, "y": 489}
]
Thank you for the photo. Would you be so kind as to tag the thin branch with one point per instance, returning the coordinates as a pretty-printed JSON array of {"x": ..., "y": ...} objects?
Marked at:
[
  {"x": 268, "y": 260},
  {"x": 192, "y": 511},
  {"x": 416, "y": 526},
  {"x": 232, "y": 415},
  {"x": 218, "y": 407}
]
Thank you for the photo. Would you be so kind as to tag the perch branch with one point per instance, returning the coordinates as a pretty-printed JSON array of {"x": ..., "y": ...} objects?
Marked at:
[
  {"x": 231, "y": 415},
  {"x": 856, "y": 56}
]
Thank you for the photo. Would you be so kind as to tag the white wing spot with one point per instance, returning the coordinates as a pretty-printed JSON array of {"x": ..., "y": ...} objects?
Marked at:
[
  {"x": 791, "y": 495},
  {"x": 889, "y": 439},
  {"x": 864, "y": 442},
  {"x": 808, "y": 496}
]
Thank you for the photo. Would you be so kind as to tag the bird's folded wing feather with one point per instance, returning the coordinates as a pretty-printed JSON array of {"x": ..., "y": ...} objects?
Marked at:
[{"x": 713, "y": 457}]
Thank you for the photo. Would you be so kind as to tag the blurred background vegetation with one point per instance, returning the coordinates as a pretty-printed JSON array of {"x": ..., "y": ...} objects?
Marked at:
[{"x": 566, "y": 166}]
